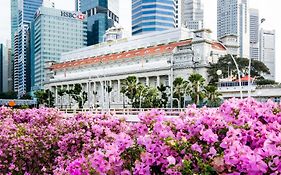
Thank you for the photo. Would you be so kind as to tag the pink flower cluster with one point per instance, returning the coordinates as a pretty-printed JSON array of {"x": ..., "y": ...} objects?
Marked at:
[{"x": 239, "y": 137}]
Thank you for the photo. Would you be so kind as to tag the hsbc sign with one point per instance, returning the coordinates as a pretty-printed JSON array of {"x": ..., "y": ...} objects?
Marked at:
[{"x": 74, "y": 15}]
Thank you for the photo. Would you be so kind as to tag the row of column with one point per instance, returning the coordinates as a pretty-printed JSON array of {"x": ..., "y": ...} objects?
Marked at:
[{"x": 100, "y": 96}]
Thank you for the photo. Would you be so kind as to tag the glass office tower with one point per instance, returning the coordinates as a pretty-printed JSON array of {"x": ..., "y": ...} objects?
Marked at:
[
  {"x": 101, "y": 15},
  {"x": 54, "y": 32},
  {"x": 23, "y": 12},
  {"x": 153, "y": 15}
]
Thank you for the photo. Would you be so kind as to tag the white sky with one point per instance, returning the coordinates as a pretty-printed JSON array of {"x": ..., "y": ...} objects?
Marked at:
[{"x": 269, "y": 9}]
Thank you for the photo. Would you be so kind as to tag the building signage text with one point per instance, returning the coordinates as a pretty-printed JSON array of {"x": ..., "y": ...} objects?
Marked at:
[{"x": 73, "y": 15}]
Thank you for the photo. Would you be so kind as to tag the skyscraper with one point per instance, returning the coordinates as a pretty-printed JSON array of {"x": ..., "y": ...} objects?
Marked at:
[
  {"x": 3, "y": 68},
  {"x": 254, "y": 33},
  {"x": 101, "y": 15},
  {"x": 233, "y": 19},
  {"x": 154, "y": 15},
  {"x": 23, "y": 12},
  {"x": 54, "y": 31},
  {"x": 267, "y": 51},
  {"x": 193, "y": 14},
  {"x": 14, "y": 30}
]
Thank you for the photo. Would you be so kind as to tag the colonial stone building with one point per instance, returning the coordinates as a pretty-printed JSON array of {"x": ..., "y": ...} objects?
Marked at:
[{"x": 154, "y": 60}]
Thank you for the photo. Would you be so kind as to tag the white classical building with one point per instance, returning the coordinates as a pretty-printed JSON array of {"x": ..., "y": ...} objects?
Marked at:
[{"x": 154, "y": 58}]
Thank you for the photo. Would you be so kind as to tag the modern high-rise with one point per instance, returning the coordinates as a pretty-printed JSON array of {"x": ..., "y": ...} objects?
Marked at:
[
  {"x": 101, "y": 15},
  {"x": 254, "y": 33},
  {"x": 3, "y": 68},
  {"x": 233, "y": 19},
  {"x": 267, "y": 51},
  {"x": 154, "y": 15},
  {"x": 54, "y": 31},
  {"x": 192, "y": 14},
  {"x": 23, "y": 12}
]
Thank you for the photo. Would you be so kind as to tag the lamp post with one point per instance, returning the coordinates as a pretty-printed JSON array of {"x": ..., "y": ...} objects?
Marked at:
[
  {"x": 141, "y": 95},
  {"x": 228, "y": 75},
  {"x": 238, "y": 71},
  {"x": 171, "y": 61},
  {"x": 184, "y": 103},
  {"x": 88, "y": 95},
  {"x": 250, "y": 62}
]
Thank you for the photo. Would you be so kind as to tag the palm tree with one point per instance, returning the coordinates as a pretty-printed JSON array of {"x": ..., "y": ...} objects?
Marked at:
[
  {"x": 78, "y": 95},
  {"x": 197, "y": 85},
  {"x": 212, "y": 95},
  {"x": 180, "y": 87},
  {"x": 45, "y": 97},
  {"x": 164, "y": 96}
]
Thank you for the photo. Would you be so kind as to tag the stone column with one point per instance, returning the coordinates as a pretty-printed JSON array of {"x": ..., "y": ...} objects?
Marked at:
[
  {"x": 158, "y": 81},
  {"x": 147, "y": 81},
  {"x": 118, "y": 91}
]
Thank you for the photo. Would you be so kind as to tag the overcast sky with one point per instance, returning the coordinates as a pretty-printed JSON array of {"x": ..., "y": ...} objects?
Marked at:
[{"x": 269, "y": 9}]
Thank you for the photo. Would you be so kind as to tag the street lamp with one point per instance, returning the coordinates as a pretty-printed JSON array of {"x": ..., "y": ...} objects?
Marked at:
[
  {"x": 238, "y": 71},
  {"x": 141, "y": 95},
  {"x": 184, "y": 103},
  {"x": 250, "y": 62},
  {"x": 171, "y": 61},
  {"x": 228, "y": 75}
]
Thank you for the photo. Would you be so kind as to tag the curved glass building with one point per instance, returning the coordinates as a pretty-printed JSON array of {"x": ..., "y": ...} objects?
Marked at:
[
  {"x": 153, "y": 15},
  {"x": 101, "y": 15}
]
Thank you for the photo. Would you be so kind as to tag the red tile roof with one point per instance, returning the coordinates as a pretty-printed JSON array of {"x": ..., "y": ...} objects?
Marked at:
[
  {"x": 159, "y": 49},
  {"x": 218, "y": 46}
]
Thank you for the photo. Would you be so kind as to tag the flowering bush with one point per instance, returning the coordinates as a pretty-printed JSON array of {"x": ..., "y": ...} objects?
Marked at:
[{"x": 241, "y": 136}]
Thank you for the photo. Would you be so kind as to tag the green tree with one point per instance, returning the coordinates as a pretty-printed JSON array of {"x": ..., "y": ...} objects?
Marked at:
[
  {"x": 41, "y": 97},
  {"x": 8, "y": 95},
  {"x": 257, "y": 68},
  {"x": 180, "y": 88},
  {"x": 45, "y": 97},
  {"x": 164, "y": 96},
  {"x": 78, "y": 95},
  {"x": 212, "y": 95},
  {"x": 152, "y": 98},
  {"x": 197, "y": 87},
  {"x": 26, "y": 97},
  {"x": 129, "y": 89}
]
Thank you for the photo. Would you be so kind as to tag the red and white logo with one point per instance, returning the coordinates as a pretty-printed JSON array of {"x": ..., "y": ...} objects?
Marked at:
[{"x": 81, "y": 16}]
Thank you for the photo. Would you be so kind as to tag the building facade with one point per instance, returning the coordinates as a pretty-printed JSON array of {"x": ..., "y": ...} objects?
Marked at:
[
  {"x": 101, "y": 15},
  {"x": 172, "y": 53},
  {"x": 233, "y": 19},
  {"x": 14, "y": 26},
  {"x": 153, "y": 15},
  {"x": 77, "y": 5},
  {"x": 193, "y": 14},
  {"x": 114, "y": 33},
  {"x": 268, "y": 51},
  {"x": 23, "y": 12},
  {"x": 4, "y": 68},
  {"x": 54, "y": 31},
  {"x": 254, "y": 33}
]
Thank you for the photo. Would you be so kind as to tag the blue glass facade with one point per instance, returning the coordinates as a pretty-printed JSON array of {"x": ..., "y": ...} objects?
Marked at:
[
  {"x": 26, "y": 9},
  {"x": 153, "y": 15},
  {"x": 101, "y": 15}
]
